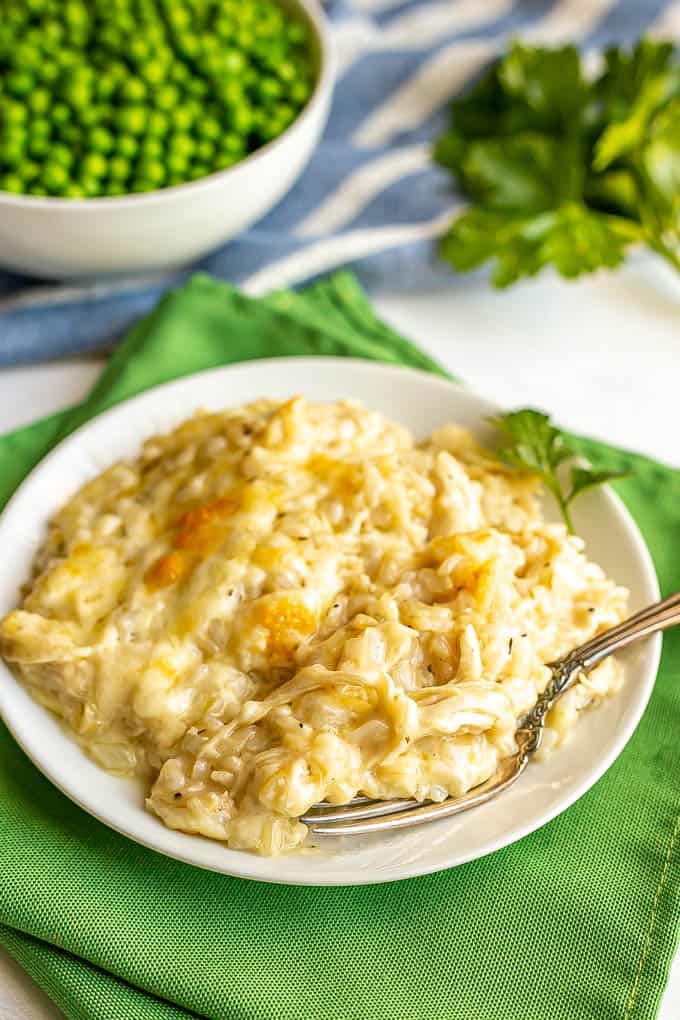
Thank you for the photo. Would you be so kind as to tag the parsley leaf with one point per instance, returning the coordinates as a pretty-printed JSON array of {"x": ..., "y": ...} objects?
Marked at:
[
  {"x": 562, "y": 170},
  {"x": 533, "y": 443}
]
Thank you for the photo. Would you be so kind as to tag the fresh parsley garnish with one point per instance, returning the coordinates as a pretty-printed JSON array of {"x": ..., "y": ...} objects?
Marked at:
[
  {"x": 562, "y": 169},
  {"x": 534, "y": 444}
]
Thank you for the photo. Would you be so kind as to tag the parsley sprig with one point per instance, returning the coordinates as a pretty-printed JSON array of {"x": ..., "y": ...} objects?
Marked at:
[
  {"x": 562, "y": 169},
  {"x": 534, "y": 444}
]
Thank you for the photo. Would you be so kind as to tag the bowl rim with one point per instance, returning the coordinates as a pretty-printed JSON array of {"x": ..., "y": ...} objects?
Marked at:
[{"x": 318, "y": 22}]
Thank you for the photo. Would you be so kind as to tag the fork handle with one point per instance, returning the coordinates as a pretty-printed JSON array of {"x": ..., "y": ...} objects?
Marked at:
[{"x": 565, "y": 671}]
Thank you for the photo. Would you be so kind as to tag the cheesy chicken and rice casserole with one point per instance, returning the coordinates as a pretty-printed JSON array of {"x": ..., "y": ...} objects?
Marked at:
[{"x": 294, "y": 602}]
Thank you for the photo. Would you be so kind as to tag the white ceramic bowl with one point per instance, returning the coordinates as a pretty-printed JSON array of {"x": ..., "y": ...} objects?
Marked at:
[
  {"x": 73, "y": 238},
  {"x": 422, "y": 402}
]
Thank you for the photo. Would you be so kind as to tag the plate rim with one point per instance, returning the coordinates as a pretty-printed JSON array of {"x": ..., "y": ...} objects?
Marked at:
[{"x": 245, "y": 869}]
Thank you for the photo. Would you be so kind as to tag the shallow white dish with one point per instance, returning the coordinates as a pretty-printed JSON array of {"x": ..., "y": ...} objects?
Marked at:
[
  {"x": 62, "y": 238},
  {"x": 421, "y": 402}
]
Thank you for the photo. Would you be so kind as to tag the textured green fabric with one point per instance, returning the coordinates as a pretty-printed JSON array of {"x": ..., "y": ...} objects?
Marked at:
[{"x": 576, "y": 922}]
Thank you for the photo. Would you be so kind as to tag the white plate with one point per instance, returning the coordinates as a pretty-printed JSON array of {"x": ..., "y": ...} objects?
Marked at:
[{"x": 422, "y": 402}]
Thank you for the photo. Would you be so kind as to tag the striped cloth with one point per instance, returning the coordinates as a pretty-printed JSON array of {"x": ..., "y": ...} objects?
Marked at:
[{"x": 370, "y": 196}]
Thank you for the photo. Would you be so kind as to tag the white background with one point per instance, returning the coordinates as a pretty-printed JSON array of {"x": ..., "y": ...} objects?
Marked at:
[{"x": 602, "y": 355}]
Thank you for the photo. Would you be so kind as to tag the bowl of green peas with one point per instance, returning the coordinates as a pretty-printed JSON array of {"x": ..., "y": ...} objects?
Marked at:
[{"x": 138, "y": 135}]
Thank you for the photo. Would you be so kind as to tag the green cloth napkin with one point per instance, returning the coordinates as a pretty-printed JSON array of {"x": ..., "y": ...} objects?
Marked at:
[{"x": 576, "y": 922}]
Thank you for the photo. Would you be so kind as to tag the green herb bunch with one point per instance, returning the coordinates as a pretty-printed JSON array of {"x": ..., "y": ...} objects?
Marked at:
[
  {"x": 563, "y": 169},
  {"x": 532, "y": 443}
]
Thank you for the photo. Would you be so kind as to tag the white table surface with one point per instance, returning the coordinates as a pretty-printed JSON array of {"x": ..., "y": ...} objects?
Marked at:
[{"x": 602, "y": 355}]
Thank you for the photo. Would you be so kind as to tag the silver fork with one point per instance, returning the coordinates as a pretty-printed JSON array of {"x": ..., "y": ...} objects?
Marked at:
[{"x": 363, "y": 815}]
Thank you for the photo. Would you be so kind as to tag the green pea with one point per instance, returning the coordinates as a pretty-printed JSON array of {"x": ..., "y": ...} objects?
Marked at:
[
  {"x": 53, "y": 30},
  {"x": 11, "y": 154},
  {"x": 27, "y": 57},
  {"x": 283, "y": 113},
  {"x": 234, "y": 62},
  {"x": 40, "y": 127},
  {"x": 49, "y": 71},
  {"x": 232, "y": 143},
  {"x": 66, "y": 59},
  {"x": 154, "y": 71},
  {"x": 38, "y": 191},
  {"x": 179, "y": 73},
  {"x": 176, "y": 163},
  {"x": 132, "y": 119},
  {"x": 90, "y": 115},
  {"x": 78, "y": 95},
  {"x": 101, "y": 140},
  {"x": 198, "y": 87},
  {"x": 231, "y": 92},
  {"x": 287, "y": 71},
  {"x": 270, "y": 88},
  {"x": 210, "y": 128},
  {"x": 30, "y": 170},
  {"x": 138, "y": 49},
  {"x": 110, "y": 38},
  {"x": 183, "y": 117},
  {"x": 157, "y": 124},
  {"x": 119, "y": 168},
  {"x": 61, "y": 154},
  {"x": 106, "y": 86},
  {"x": 188, "y": 45},
  {"x": 224, "y": 160},
  {"x": 299, "y": 91},
  {"x": 14, "y": 112},
  {"x": 141, "y": 186},
  {"x": 91, "y": 186},
  {"x": 241, "y": 120},
  {"x": 296, "y": 33},
  {"x": 12, "y": 183},
  {"x": 40, "y": 100},
  {"x": 19, "y": 83},
  {"x": 199, "y": 170},
  {"x": 167, "y": 97},
  {"x": 93, "y": 165},
  {"x": 178, "y": 17},
  {"x": 76, "y": 14},
  {"x": 213, "y": 64},
  {"x": 60, "y": 114},
  {"x": 133, "y": 90},
  {"x": 154, "y": 33},
  {"x": 74, "y": 190},
  {"x": 224, "y": 27},
  {"x": 205, "y": 151},
  {"x": 127, "y": 146},
  {"x": 151, "y": 170},
  {"x": 210, "y": 44},
  {"x": 182, "y": 144},
  {"x": 114, "y": 190},
  {"x": 55, "y": 178},
  {"x": 39, "y": 146},
  {"x": 245, "y": 39}
]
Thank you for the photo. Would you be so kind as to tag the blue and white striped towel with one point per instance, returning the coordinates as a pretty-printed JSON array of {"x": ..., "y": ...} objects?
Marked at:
[{"x": 370, "y": 197}]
